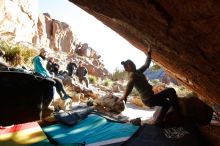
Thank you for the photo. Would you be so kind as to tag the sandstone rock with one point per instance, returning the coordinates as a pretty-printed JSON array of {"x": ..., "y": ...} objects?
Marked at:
[
  {"x": 95, "y": 62},
  {"x": 97, "y": 70},
  {"x": 111, "y": 103},
  {"x": 137, "y": 101},
  {"x": 62, "y": 38},
  {"x": 43, "y": 32},
  {"x": 62, "y": 104},
  {"x": 83, "y": 50},
  {"x": 18, "y": 19}
]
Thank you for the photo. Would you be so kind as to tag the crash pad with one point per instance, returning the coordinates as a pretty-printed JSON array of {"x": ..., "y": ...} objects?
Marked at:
[
  {"x": 93, "y": 130},
  {"x": 22, "y": 96},
  {"x": 182, "y": 134},
  {"x": 26, "y": 134}
]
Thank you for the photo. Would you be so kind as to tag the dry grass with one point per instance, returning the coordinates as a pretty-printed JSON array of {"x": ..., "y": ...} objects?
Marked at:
[{"x": 17, "y": 54}]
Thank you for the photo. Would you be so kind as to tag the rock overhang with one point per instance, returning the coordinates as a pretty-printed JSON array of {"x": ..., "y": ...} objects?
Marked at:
[{"x": 184, "y": 36}]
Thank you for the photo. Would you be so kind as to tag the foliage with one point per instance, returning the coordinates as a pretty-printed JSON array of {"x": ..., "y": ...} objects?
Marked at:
[
  {"x": 92, "y": 79},
  {"x": 182, "y": 91},
  {"x": 192, "y": 94},
  {"x": 155, "y": 67},
  {"x": 119, "y": 75},
  {"x": 155, "y": 82},
  {"x": 107, "y": 82},
  {"x": 17, "y": 54}
]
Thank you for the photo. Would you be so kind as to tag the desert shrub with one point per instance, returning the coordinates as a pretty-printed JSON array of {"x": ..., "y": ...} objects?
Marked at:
[
  {"x": 12, "y": 56},
  {"x": 181, "y": 90},
  {"x": 192, "y": 94},
  {"x": 119, "y": 75},
  {"x": 27, "y": 54},
  {"x": 107, "y": 82},
  {"x": 154, "y": 66},
  {"x": 155, "y": 82},
  {"x": 92, "y": 79},
  {"x": 17, "y": 54}
]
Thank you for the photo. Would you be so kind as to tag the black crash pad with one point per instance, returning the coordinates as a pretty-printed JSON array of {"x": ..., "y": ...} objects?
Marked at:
[
  {"x": 185, "y": 134},
  {"x": 21, "y": 96}
]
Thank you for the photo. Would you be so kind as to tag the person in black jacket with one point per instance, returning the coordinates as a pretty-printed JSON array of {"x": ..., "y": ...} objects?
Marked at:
[
  {"x": 52, "y": 66},
  {"x": 81, "y": 73},
  {"x": 71, "y": 67},
  {"x": 137, "y": 79}
]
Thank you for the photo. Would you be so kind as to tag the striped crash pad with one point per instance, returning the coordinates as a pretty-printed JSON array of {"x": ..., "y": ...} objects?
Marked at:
[
  {"x": 93, "y": 130},
  {"x": 27, "y": 134}
]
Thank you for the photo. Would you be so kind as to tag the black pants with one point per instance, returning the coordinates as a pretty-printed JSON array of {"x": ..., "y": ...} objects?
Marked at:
[
  {"x": 59, "y": 86},
  {"x": 70, "y": 72},
  {"x": 165, "y": 99},
  {"x": 85, "y": 80}
]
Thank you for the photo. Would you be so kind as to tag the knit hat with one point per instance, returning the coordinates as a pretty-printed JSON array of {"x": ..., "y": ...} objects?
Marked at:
[
  {"x": 124, "y": 63},
  {"x": 42, "y": 50}
]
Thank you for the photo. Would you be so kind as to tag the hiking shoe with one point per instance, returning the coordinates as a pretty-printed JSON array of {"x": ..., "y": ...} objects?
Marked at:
[
  {"x": 136, "y": 122},
  {"x": 90, "y": 103}
]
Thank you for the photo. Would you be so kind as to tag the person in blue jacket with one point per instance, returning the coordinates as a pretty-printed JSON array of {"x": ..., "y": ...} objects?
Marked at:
[{"x": 40, "y": 63}]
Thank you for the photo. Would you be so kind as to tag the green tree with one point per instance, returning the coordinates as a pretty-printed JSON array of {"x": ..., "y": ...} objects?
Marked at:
[
  {"x": 119, "y": 75},
  {"x": 155, "y": 67}
]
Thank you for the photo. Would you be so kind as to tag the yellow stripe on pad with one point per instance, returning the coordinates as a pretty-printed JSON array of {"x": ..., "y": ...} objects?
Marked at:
[{"x": 24, "y": 134}]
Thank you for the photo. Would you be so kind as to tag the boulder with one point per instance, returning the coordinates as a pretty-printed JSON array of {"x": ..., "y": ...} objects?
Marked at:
[
  {"x": 196, "y": 110},
  {"x": 111, "y": 103}
]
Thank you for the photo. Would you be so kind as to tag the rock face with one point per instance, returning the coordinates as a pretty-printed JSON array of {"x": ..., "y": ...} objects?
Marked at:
[
  {"x": 54, "y": 34},
  {"x": 91, "y": 60},
  {"x": 184, "y": 36},
  {"x": 18, "y": 19}
]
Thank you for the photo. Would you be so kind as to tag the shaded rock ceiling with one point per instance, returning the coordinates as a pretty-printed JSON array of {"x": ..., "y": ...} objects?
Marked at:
[{"x": 184, "y": 36}]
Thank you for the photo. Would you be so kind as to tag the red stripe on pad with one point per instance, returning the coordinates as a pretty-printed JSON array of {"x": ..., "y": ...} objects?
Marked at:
[{"x": 18, "y": 127}]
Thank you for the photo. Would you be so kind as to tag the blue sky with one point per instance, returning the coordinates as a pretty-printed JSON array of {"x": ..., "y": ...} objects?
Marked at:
[{"x": 112, "y": 47}]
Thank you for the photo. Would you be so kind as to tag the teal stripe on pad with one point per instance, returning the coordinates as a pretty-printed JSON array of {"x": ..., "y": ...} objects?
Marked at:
[{"x": 93, "y": 129}]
